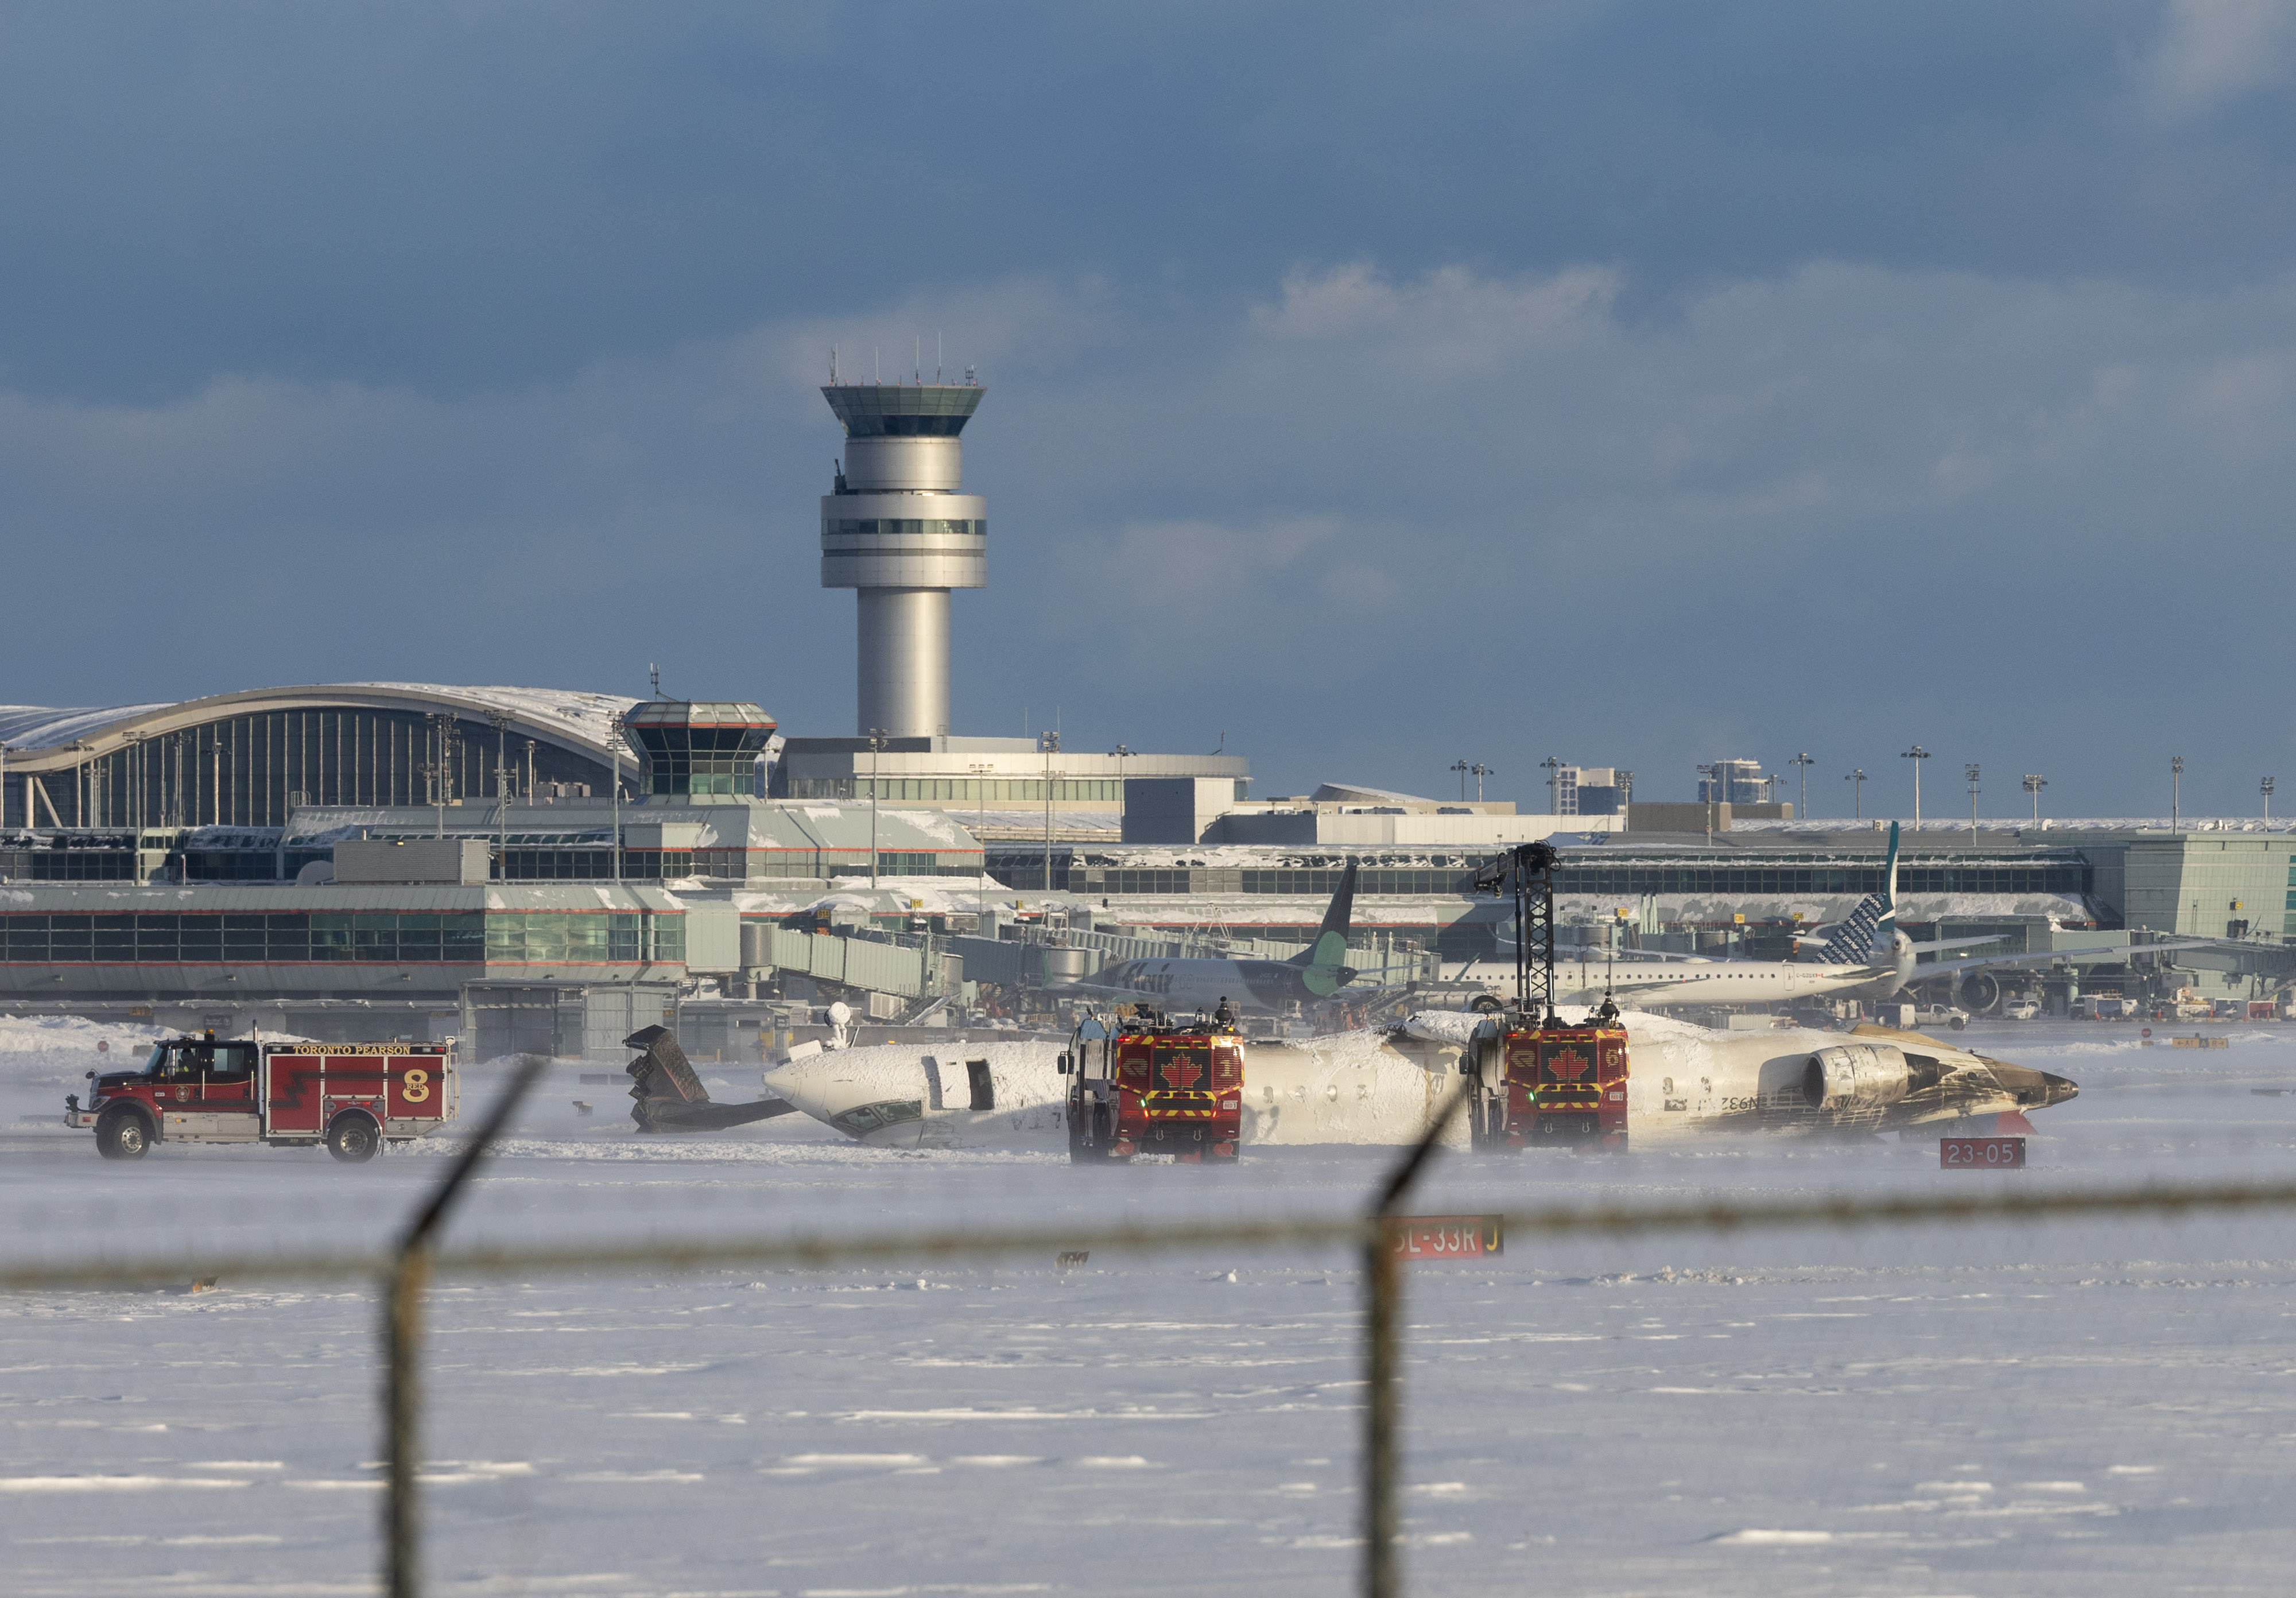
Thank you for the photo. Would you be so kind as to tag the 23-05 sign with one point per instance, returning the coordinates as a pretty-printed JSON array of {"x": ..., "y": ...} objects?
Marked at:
[{"x": 1981, "y": 1153}]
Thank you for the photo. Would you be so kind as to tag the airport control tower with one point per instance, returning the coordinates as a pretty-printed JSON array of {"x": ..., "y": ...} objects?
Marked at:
[{"x": 898, "y": 531}]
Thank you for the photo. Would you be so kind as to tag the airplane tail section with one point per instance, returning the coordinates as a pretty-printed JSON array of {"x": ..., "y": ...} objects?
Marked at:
[
  {"x": 1885, "y": 929},
  {"x": 1874, "y": 924},
  {"x": 670, "y": 1097},
  {"x": 1326, "y": 959}
]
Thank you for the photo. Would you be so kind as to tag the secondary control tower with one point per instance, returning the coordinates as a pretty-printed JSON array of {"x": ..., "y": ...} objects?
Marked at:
[{"x": 898, "y": 529}]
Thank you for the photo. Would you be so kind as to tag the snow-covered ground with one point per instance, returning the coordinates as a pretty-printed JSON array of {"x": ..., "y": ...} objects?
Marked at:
[{"x": 2067, "y": 1409}]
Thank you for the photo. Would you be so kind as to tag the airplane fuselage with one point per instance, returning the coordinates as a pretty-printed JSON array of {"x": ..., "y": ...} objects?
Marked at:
[
  {"x": 1382, "y": 1087},
  {"x": 1696, "y": 983},
  {"x": 1262, "y": 986}
]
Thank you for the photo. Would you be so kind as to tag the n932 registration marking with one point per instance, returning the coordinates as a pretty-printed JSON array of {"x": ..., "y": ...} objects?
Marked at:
[
  {"x": 1447, "y": 1237},
  {"x": 1981, "y": 1153}
]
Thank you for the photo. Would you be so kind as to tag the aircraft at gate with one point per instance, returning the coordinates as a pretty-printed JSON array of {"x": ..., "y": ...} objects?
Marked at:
[
  {"x": 1866, "y": 957},
  {"x": 1264, "y": 986}
]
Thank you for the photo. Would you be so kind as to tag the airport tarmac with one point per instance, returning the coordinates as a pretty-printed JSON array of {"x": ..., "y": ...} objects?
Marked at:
[{"x": 2068, "y": 1408}]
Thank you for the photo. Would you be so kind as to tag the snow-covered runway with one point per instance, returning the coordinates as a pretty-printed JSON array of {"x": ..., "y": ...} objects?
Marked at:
[{"x": 2075, "y": 1409}]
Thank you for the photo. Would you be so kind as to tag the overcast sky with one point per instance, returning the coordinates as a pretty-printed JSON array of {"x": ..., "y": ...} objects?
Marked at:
[{"x": 1374, "y": 386}]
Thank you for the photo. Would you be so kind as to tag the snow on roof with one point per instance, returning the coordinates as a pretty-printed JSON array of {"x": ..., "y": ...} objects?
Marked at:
[
  {"x": 592, "y": 716},
  {"x": 1342, "y": 793},
  {"x": 35, "y": 727},
  {"x": 1942, "y": 826},
  {"x": 581, "y": 718}
]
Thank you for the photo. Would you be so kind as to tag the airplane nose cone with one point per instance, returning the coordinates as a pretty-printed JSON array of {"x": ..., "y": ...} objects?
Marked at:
[
  {"x": 2058, "y": 1088},
  {"x": 866, "y": 1096},
  {"x": 797, "y": 1082}
]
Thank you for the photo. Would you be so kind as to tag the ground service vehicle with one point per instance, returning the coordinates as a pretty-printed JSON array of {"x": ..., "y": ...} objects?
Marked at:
[
  {"x": 1547, "y": 1085},
  {"x": 351, "y": 1096},
  {"x": 1149, "y": 1086}
]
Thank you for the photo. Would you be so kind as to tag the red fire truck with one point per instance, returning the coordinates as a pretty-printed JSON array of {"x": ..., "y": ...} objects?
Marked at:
[
  {"x": 1146, "y": 1084},
  {"x": 1547, "y": 1085},
  {"x": 351, "y": 1096}
]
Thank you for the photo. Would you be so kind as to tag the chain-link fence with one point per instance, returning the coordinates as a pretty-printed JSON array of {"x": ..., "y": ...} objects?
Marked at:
[{"x": 407, "y": 1273}]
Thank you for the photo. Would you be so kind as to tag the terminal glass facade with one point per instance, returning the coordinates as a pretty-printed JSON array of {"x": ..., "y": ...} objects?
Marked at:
[
  {"x": 250, "y": 770},
  {"x": 960, "y": 791},
  {"x": 387, "y": 937}
]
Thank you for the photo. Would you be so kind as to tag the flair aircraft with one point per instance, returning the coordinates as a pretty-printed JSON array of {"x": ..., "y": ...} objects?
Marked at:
[{"x": 1268, "y": 986}]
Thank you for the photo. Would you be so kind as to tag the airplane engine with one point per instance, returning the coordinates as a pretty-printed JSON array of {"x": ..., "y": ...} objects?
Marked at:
[
  {"x": 1856, "y": 1076},
  {"x": 1980, "y": 991}
]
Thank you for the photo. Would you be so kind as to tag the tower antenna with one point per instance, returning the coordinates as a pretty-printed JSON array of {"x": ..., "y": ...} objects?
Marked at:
[
  {"x": 937, "y": 344},
  {"x": 832, "y": 366}
]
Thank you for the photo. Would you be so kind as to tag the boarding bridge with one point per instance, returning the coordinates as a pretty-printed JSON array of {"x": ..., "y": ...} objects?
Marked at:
[{"x": 911, "y": 967}]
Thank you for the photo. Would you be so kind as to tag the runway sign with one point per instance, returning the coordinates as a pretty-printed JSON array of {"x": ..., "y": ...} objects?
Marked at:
[
  {"x": 1981, "y": 1153},
  {"x": 1447, "y": 1236}
]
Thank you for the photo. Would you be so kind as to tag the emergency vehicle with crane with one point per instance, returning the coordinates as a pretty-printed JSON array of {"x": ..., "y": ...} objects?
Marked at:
[
  {"x": 353, "y": 1097},
  {"x": 1536, "y": 1080}
]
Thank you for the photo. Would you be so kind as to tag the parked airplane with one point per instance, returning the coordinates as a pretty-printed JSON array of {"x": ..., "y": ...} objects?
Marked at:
[
  {"x": 1867, "y": 957},
  {"x": 1380, "y": 1086},
  {"x": 1268, "y": 986}
]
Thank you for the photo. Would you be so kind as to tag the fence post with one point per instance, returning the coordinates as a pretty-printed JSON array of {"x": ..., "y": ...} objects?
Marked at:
[
  {"x": 1384, "y": 1361},
  {"x": 402, "y": 1339}
]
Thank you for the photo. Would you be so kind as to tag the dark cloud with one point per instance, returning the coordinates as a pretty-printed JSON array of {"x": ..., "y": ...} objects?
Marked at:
[{"x": 1376, "y": 388}]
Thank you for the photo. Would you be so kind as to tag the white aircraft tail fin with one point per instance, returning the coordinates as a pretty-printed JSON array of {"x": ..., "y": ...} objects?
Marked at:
[{"x": 1874, "y": 924}]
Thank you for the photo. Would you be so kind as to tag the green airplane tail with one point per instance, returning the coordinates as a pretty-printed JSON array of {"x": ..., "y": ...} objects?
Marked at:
[{"x": 1327, "y": 956}]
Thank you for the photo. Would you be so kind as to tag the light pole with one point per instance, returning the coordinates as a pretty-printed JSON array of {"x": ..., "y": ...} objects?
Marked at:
[
  {"x": 1481, "y": 771},
  {"x": 614, "y": 746},
  {"x": 1553, "y": 785},
  {"x": 1916, "y": 754},
  {"x": 1462, "y": 767},
  {"x": 2034, "y": 783},
  {"x": 1713, "y": 775},
  {"x": 1805, "y": 762},
  {"x": 2264, "y": 788},
  {"x": 4, "y": 793},
  {"x": 1971, "y": 767},
  {"x": 1050, "y": 742},
  {"x": 501, "y": 719},
  {"x": 877, "y": 736},
  {"x": 2176, "y": 791},
  {"x": 1857, "y": 798},
  {"x": 135, "y": 763}
]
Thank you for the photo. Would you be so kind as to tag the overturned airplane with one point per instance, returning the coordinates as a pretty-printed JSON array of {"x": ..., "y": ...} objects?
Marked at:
[{"x": 670, "y": 1098}]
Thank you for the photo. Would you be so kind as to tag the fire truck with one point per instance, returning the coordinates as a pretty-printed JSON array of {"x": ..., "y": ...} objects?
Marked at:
[
  {"x": 353, "y": 1097},
  {"x": 1148, "y": 1085},
  {"x": 1536, "y": 1080},
  {"x": 1544, "y": 1086}
]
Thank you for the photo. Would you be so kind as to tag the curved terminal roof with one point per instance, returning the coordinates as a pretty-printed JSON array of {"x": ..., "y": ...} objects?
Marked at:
[{"x": 40, "y": 739}]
